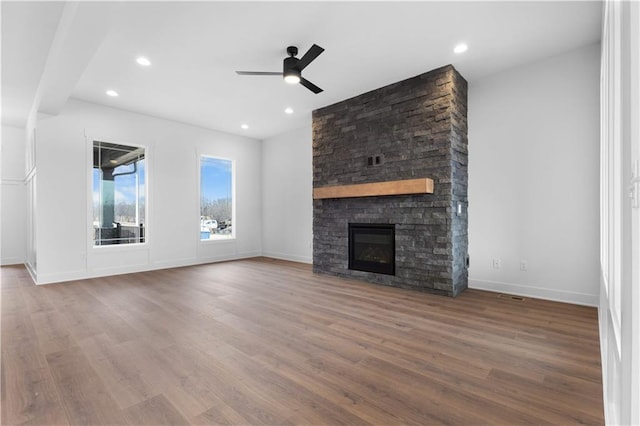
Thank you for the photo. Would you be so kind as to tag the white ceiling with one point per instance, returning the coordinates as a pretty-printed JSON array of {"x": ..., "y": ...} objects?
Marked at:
[
  {"x": 27, "y": 32},
  {"x": 195, "y": 48}
]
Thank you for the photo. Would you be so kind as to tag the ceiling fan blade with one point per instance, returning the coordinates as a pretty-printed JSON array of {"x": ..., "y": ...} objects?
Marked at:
[
  {"x": 309, "y": 85},
  {"x": 311, "y": 54},
  {"x": 258, "y": 73}
]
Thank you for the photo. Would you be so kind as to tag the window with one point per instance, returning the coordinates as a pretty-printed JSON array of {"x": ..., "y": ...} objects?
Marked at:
[
  {"x": 216, "y": 199},
  {"x": 119, "y": 207}
]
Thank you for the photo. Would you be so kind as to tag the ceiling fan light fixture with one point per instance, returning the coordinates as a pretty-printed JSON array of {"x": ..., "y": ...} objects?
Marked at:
[
  {"x": 292, "y": 79},
  {"x": 291, "y": 73}
]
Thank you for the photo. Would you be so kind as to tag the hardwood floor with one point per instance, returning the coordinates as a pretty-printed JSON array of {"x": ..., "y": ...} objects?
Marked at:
[{"x": 262, "y": 341}]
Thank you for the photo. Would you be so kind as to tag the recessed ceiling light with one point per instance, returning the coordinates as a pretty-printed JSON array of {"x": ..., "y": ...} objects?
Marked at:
[
  {"x": 112, "y": 93},
  {"x": 245, "y": 126},
  {"x": 460, "y": 48},
  {"x": 141, "y": 60},
  {"x": 288, "y": 110}
]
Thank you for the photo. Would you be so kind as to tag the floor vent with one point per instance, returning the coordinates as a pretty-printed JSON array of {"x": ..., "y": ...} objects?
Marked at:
[{"x": 512, "y": 297}]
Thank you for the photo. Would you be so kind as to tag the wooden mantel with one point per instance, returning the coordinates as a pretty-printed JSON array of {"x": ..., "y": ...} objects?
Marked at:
[{"x": 392, "y": 187}]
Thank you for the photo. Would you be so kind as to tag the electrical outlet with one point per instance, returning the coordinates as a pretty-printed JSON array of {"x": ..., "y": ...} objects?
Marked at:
[
  {"x": 497, "y": 263},
  {"x": 524, "y": 265}
]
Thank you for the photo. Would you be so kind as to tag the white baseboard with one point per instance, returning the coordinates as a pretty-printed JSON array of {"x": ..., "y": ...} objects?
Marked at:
[
  {"x": 6, "y": 261},
  {"x": 225, "y": 258},
  {"x": 80, "y": 274},
  {"x": 536, "y": 292},
  {"x": 31, "y": 270},
  {"x": 130, "y": 269},
  {"x": 285, "y": 256}
]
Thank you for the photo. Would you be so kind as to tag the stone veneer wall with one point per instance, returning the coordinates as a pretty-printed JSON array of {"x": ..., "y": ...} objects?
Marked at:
[{"x": 418, "y": 128}]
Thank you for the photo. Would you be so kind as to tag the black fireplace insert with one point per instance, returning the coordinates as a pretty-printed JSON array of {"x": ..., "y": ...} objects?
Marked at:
[{"x": 372, "y": 247}]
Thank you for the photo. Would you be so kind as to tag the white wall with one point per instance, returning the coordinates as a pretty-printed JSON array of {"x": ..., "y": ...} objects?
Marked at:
[
  {"x": 534, "y": 178},
  {"x": 64, "y": 220},
  {"x": 287, "y": 196},
  {"x": 12, "y": 196}
]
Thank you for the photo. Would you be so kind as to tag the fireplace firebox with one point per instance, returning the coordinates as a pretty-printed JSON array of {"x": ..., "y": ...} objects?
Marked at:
[{"x": 372, "y": 248}]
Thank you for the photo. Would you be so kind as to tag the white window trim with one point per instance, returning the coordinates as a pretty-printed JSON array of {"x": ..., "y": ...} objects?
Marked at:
[
  {"x": 89, "y": 201},
  {"x": 233, "y": 236}
]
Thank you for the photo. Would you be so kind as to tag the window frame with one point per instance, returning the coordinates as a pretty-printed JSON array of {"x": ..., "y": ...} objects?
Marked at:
[
  {"x": 233, "y": 235},
  {"x": 90, "y": 230}
]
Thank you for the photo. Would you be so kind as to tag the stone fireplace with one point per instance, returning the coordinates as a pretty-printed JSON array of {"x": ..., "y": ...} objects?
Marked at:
[{"x": 409, "y": 131}]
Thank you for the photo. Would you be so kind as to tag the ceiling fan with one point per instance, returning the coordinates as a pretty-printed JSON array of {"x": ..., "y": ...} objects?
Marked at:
[{"x": 292, "y": 67}]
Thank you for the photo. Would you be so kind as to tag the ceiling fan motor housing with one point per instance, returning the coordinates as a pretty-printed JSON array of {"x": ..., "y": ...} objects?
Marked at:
[{"x": 289, "y": 67}]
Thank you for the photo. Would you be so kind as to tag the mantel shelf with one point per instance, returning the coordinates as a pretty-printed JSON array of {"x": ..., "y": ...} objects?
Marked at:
[{"x": 377, "y": 189}]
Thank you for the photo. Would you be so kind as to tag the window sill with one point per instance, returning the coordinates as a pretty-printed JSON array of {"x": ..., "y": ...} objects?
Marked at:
[
  {"x": 222, "y": 240},
  {"x": 122, "y": 247}
]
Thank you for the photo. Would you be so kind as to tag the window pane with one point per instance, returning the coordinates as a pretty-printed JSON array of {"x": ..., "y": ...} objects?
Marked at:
[
  {"x": 216, "y": 199},
  {"x": 119, "y": 211}
]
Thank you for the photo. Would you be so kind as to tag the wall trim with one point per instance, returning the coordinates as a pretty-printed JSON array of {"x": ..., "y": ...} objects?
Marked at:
[
  {"x": 19, "y": 181},
  {"x": 227, "y": 257},
  {"x": 32, "y": 271},
  {"x": 290, "y": 257},
  {"x": 131, "y": 269},
  {"x": 536, "y": 292},
  {"x": 6, "y": 261},
  {"x": 30, "y": 174},
  {"x": 78, "y": 274},
  {"x": 175, "y": 263},
  {"x": 607, "y": 340},
  {"x": 12, "y": 181}
]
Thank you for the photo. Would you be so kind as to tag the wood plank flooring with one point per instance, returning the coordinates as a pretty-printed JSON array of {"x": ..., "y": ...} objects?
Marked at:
[{"x": 262, "y": 341}]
